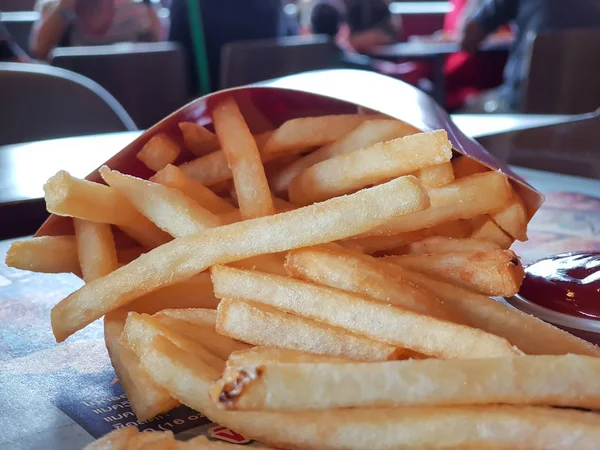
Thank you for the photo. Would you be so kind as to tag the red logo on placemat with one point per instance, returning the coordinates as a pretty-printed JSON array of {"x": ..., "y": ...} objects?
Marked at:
[{"x": 227, "y": 435}]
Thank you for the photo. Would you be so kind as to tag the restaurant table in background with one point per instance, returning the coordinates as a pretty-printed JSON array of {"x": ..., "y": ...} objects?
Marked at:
[
  {"x": 436, "y": 53},
  {"x": 61, "y": 396}
]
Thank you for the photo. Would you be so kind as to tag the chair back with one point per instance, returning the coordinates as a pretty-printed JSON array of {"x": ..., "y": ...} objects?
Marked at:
[
  {"x": 17, "y": 5},
  {"x": 43, "y": 102},
  {"x": 148, "y": 79},
  {"x": 252, "y": 61},
  {"x": 570, "y": 147},
  {"x": 563, "y": 73},
  {"x": 19, "y": 25}
]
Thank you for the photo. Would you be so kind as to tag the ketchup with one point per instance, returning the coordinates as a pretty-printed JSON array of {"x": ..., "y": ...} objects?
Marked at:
[{"x": 568, "y": 283}]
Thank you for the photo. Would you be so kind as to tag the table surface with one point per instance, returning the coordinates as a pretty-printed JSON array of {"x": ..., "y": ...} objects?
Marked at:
[
  {"x": 420, "y": 48},
  {"x": 60, "y": 396},
  {"x": 24, "y": 168}
]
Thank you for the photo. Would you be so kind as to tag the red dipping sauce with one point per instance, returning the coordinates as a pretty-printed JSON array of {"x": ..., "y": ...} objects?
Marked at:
[{"x": 568, "y": 283}]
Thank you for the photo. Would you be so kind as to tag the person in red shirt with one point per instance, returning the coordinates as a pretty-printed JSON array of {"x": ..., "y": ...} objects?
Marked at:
[{"x": 468, "y": 74}]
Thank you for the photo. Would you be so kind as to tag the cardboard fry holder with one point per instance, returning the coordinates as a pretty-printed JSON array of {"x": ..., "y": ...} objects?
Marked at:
[{"x": 312, "y": 94}]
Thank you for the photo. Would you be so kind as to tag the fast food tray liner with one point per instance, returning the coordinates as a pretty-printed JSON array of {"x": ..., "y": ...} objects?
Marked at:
[{"x": 339, "y": 91}]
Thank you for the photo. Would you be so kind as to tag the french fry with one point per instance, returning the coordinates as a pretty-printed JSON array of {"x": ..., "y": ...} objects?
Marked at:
[
  {"x": 485, "y": 228},
  {"x": 464, "y": 166},
  {"x": 198, "y": 139},
  {"x": 188, "y": 379},
  {"x": 47, "y": 254},
  {"x": 434, "y": 176},
  {"x": 178, "y": 260},
  {"x": 493, "y": 272},
  {"x": 96, "y": 249},
  {"x": 361, "y": 275},
  {"x": 260, "y": 325},
  {"x": 173, "y": 177},
  {"x": 116, "y": 440},
  {"x": 140, "y": 329},
  {"x": 374, "y": 244},
  {"x": 528, "y": 333},
  {"x": 72, "y": 197},
  {"x": 369, "y": 166},
  {"x": 521, "y": 380},
  {"x": 198, "y": 316},
  {"x": 159, "y": 151},
  {"x": 298, "y": 135},
  {"x": 462, "y": 199},
  {"x": 195, "y": 292},
  {"x": 270, "y": 355},
  {"x": 243, "y": 158},
  {"x": 213, "y": 168},
  {"x": 145, "y": 397},
  {"x": 366, "y": 134},
  {"x": 440, "y": 244},
  {"x": 170, "y": 209},
  {"x": 218, "y": 345},
  {"x": 513, "y": 218},
  {"x": 378, "y": 320}
]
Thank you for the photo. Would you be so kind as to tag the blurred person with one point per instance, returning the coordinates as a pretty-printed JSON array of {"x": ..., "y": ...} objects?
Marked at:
[
  {"x": 327, "y": 18},
  {"x": 92, "y": 22},
  {"x": 467, "y": 74},
  {"x": 370, "y": 24},
  {"x": 223, "y": 21},
  {"x": 9, "y": 49},
  {"x": 529, "y": 17}
]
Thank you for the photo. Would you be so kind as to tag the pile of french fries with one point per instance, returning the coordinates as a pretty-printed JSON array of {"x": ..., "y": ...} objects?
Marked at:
[{"x": 322, "y": 285}]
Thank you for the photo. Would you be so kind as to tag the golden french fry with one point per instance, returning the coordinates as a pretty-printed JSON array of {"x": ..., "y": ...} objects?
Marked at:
[
  {"x": 241, "y": 151},
  {"x": 379, "y": 321},
  {"x": 213, "y": 168},
  {"x": 116, "y": 440},
  {"x": 140, "y": 329},
  {"x": 178, "y": 260},
  {"x": 159, "y": 151},
  {"x": 492, "y": 272},
  {"x": 170, "y": 209},
  {"x": 198, "y": 316},
  {"x": 206, "y": 336},
  {"x": 462, "y": 199},
  {"x": 441, "y": 244},
  {"x": 188, "y": 379},
  {"x": 270, "y": 355},
  {"x": 146, "y": 398},
  {"x": 369, "y": 166},
  {"x": 361, "y": 275},
  {"x": 513, "y": 218},
  {"x": 366, "y": 134},
  {"x": 528, "y": 333},
  {"x": 520, "y": 380},
  {"x": 72, "y": 197},
  {"x": 95, "y": 249},
  {"x": 484, "y": 228},
  {"x": 374, "y": 244},
  {"x": 434, "y": 176},
  {"x": 298, "y": 135},
  {"x": 198, "y": 139},
  {"x": 465, "y": 166},
  {"x": 260, "y": 325},
  {"x": 195, "y": 292},
  {"x": 48, "y": 254},
  {"x": 174, "y": 177}
]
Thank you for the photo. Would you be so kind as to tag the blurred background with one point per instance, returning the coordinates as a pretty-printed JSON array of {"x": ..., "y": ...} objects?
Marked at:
[{"x": 72, "y": 68}]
